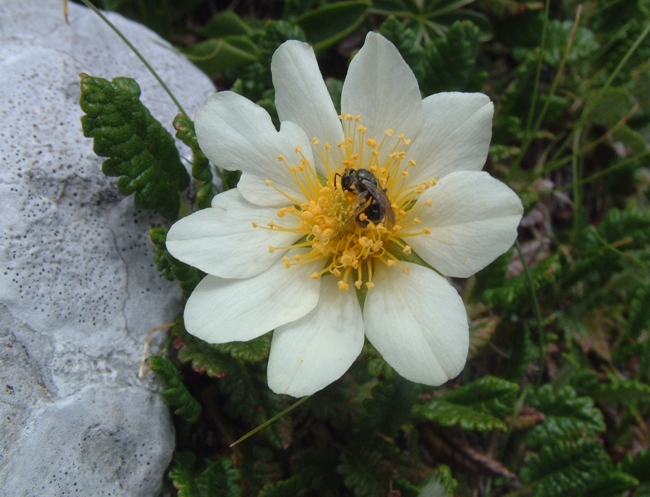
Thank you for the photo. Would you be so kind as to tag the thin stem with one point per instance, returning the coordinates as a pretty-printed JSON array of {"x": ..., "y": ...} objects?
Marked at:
[
  {"x": 533, "y": 103},
  {"x": 268, "y": 422},
  {"x": 538, "y": 312},
  {"x": 137, "y": 53},
  {"x": 576, "y": 170}
]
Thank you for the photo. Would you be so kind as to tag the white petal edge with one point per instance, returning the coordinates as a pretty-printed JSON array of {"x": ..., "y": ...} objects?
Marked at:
[
  {"x": 237, "y": 134},
  {"x": 473, "y": 220},
  {"x": 418, "y": 323},
  {"x": 455, "y": 136},
  {"x": 302, "y": 97},
  {"x": 382, "y": 89},
  {"x": 310, "y": 353},
  {"x": 222, "y": 241},
  {"x": 229, "y": 310}
]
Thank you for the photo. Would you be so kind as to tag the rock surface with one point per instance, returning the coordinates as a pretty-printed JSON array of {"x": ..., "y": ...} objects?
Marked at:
[{"x": 79, "y": 289}]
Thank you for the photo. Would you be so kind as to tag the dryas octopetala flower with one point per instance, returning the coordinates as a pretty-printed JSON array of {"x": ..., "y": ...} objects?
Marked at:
[{"x": 337, "y": 220}]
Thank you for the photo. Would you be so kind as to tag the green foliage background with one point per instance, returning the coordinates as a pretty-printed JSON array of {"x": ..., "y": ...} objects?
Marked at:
[{"x": 555, "y": 398}]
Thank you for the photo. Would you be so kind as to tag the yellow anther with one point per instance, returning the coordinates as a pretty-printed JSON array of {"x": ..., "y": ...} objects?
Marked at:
[
  {"x": 429, "y": 202},
  {"x": 255, "y": 224},
  {"x": 327, "y": 146},
  {"x": 370, "y": 285},
  {"x": 297, "y": 257},
  {"x": 307, "y": 215},
  {"x": 389, "y": 132},
  {"x": 362, "y": 129},
  {"x": 271, "y": 224},
  {"x": 405, "y": 173},
  {"x": 268, "y": 182},
  {"x": 433, "y": 181},
  {"x": 426, "y": 231},
  {"x": 336, "y": 272},
  {"x": 390, "y": 262},
  {"x": 412, "y": 163},
  {"x": 314, "y": 276},
  {"x": 314, "y": 141},
  {"x": 271, "y": 248},
  {"x": 358, "y": 284},
  {"x": 298, "y": 149},
  {"x": 280, "y": 157},
  {"x": 343, "y": 286},
  {"x": 407, "y": 141},
  {"x": 416, "y": 220},
  {"x": 406, "y": 249},
  {"x": 406, "y": 270},
  {"x": 371, "y": 142}
]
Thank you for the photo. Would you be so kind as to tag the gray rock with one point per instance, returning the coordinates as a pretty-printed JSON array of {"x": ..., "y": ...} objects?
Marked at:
[{"x": 79, "y": 289}]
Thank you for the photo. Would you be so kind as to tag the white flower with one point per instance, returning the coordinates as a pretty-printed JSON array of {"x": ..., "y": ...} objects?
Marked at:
[{"x": 288, "y": 247}]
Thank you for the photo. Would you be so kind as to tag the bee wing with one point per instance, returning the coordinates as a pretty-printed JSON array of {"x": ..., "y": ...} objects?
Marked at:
[{"x": 380, "y": 196}]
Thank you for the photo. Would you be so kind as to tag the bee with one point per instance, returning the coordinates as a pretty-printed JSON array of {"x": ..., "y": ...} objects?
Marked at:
[{"x": 372, "y": 200}]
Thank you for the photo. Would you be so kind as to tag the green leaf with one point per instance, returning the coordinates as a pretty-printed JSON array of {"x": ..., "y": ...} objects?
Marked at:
[
  {"x": 225, "y": 23},
  {"x": 610, "y": 484},
  {"x": 565, "y": 468},
  {"x": 404, "y": 40},
  {"x": 363, "y": 472},
  {"x": 292, "y": 486},
  {"x": 175, "y": 392},
  {"x": 172, "y": 268},
  {"x": 332, "y": 22},
  {"x": 218, "y": 54},
  {"x": 567, "y": 416},
  {"x": 558, "y": 32},
  {"x": 623, "y": 392},
  {"x": 449, "y": 62},
  {"x": 637, "y": 465},
  {"x": 201, "y": 170},
  {"x": 138, "y": 148},
  {"x": 481, "y": 406},
  {"x": 216, "y": 478},
  {"x": 522, "y": 355},
  {"x": 252, "y": 351},
  {"x": 388, "y": 408}
]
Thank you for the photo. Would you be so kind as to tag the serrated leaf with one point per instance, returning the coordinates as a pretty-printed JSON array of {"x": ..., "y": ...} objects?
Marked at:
[
  {"x": 175, "y": 392},
  {"x": 565, "y": 468},
  {"x": 481, "y": 406},
  {"x": 567, "y": 416},
  {"x": 332, "y": 22},
  {"x": 363, "y": 472},
  {"x": 404, "y": 40},
  {"x": 216, "y": 479},
  {"x": 480, "y": 333},
  {"x": 449, "y": 62},
  {"x": 201, "y": 170},
  {"x": 623, "y": 392},
  {"x": 292, "y": 486},
  {"x": 251, "y": 351},
  {"x": 388, "y": 408},
  {"x": 610, "y": 484},
  {"x": 139, "y": 149},
  {"x": 522, "y": 355},
  {"x": 637, "y": 465},
  {"x": 172, "y": 268}
]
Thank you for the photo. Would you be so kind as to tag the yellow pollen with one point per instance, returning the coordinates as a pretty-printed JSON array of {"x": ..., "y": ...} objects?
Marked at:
[
  {"x": 389, "y": 132},
  {"x": 426, "y": 231},
  {"x": 314, "y": 276},
  {"x": 280, "y": 157},
  {"x": 358, "y": 284},
  {"x": 287, "y": 262},
  {"x": 327, "y": 146},
  {"x": 362, "y": 129},
  {"x": 314, "y": 141},
  {"x": 416, "y": 220},
  {"x": 412, "y": 163},
  {"x": 343, "y": 286},
  {"x": 255, "y": 224},
  {"x": 370, "y": 285},
  {"x": 429, "y": 202},
  {"x": 390, "y": 263},
  {"x": 433, "y": 181},
  {"x": 371, "y": 142},
  {"x": 271, "y": 248},
  {"x": 271, "y": 224},
  {"x": 407, "y": 249},
  {"x": 298, "y": 149},
  {"x": 268, "y": 182}
]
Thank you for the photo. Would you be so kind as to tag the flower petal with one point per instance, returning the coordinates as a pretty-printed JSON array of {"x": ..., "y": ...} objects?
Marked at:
[
  {"x": 302, "y": 97},
  {"x": 473, "y": 220},
  {"x": 227, "y": 310},
  {"x": 237, "y": 134},
  {"x": 418, "y": 323},
  {"x": 310, "y": 353},
  {"x": 222, "y": 241},
  {"x": 455, "y": 135},
  {"x": 381, "y": 88}
]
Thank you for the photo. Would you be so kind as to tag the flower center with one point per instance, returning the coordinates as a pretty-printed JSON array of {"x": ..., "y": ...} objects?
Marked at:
[{"x": 351, "y": 217}]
